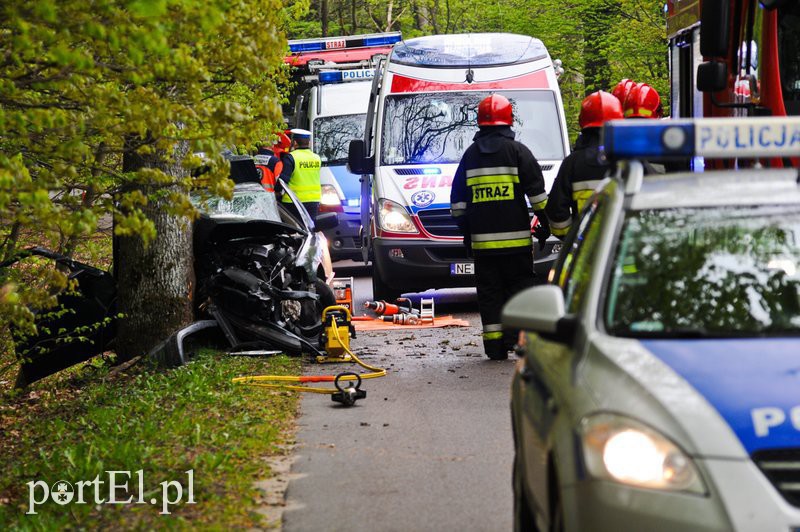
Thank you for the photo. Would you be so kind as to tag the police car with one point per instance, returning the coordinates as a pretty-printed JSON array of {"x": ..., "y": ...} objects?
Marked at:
[{"x": 658, "y": 386}]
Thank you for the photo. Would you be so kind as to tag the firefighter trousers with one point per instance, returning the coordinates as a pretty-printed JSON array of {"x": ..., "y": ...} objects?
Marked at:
[{"x": 498, "y": 278}]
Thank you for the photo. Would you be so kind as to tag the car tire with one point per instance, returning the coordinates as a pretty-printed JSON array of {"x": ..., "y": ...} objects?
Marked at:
[
  {"x": 311, "y": 311},
  {"x": 524, "y": 518},
  {"x": 382, "y": 291}
]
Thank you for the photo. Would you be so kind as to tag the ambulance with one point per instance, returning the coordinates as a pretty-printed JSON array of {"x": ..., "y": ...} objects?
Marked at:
[
  {"x": 332, "y": 103},
  {"x": 422, "y": 117}
]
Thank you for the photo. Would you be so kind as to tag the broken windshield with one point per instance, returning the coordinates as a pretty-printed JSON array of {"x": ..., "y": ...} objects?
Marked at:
[
  {"x": 332, "y": 136},
  {"x": 727, "y": 271},
  {"x": 427, "y": 128}
]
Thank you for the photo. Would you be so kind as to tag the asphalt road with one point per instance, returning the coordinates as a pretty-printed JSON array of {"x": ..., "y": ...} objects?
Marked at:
[{"x": 430, "y": 448}]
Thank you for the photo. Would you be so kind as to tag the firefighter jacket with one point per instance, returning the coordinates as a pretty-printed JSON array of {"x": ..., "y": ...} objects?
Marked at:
[
  {"x": 578, "y": 177},
  {"x": 302, "y": 166},
  {"x": 487, "y": 199}
]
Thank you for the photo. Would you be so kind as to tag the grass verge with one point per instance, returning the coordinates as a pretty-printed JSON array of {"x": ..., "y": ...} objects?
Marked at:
[{"x": 79, "y": 426}]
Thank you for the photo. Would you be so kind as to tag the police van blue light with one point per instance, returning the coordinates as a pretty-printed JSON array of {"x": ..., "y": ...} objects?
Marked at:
[{"x": 711, "y": 137}]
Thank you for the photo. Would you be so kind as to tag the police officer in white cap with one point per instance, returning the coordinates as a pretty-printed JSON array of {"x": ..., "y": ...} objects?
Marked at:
[{"x": 301, "y": 169}]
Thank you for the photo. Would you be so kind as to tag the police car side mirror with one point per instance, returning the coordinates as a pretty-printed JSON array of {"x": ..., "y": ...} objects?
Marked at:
[
  {"x": 540, "y": 309},
  {"x": 712, "y": 76},
  {"x": 357, "y": 161}
]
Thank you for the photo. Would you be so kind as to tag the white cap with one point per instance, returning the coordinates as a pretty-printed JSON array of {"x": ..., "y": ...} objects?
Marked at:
[{"x": 300, "y": 133}]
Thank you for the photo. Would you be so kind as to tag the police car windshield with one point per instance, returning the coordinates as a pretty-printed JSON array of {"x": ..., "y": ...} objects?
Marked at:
[
  {"x": 332, "y": 136},
  {"x": 430, "y": 128},
  {"x": 717, "y": 272}
]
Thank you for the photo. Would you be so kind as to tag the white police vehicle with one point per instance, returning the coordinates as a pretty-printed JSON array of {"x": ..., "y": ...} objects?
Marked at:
[
  {"x": 334, "y": 108},
  {"x": 659, "y": 382}
]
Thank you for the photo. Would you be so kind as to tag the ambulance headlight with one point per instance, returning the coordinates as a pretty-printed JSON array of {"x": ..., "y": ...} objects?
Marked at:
[
  {"x": 623, "y": 450},
  {"x": 330, "y": 196},
  {"x": 393, "y": 217}
]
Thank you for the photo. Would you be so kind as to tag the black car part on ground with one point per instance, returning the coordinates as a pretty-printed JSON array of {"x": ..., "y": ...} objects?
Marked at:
[{"x": 90, "y": 308}]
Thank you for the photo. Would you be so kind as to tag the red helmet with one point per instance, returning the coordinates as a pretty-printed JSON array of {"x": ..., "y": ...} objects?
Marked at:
[
  {"x": 643, "y": 102},
  {"x": 622, "y": 89},
  {"x": 495, "y": 110},
  {"x": 282, "y": 144},
  {"x": 597, "y": 108}
]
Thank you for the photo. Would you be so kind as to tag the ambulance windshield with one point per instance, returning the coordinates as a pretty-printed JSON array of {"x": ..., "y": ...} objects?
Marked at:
[
  {"x": 332, "y": 136},
  {"x": 436, "y": 128}
]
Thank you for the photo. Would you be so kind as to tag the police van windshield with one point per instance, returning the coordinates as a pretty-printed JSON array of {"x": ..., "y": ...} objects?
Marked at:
[
  {"x": 716, "y": 272},
  {"x": 426, "y": 128},
  {"x": 332, "y": 136}
]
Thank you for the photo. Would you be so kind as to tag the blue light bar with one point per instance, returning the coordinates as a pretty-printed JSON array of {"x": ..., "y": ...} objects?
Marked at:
[
  {"x": 431, "y": 171},
  {"x": 330, "y": 77},
  {"x": 721, "y": 138},
  {"x": 341, "y": 43},
  {"x": 383, "y": 40}
]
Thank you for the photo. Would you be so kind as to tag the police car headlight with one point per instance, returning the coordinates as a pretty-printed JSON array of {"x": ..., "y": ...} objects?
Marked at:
[
  {"x": 626, "y": 451},
  {"x": 329, "y": 196},
  {"x": 393, "y": 217}
]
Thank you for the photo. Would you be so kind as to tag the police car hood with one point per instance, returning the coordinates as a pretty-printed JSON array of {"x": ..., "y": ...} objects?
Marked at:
[
  {"x": 714, "y": 397},
  {"x": 754, "y": 384}
]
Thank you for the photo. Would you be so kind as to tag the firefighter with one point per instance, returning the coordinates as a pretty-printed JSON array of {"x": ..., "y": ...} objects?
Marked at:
[
  {"x": 582, "y": 170},
  {"x": 301, "y": 171},
  {"x": 488, "y": 203},
  {"x": 269, "y": 162}
]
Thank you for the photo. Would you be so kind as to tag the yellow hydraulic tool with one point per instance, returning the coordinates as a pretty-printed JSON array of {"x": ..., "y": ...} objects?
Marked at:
[{"x": 335, "y": 338}]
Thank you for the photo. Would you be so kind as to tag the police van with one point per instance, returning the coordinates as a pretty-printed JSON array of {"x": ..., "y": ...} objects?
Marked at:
[
  {"x": 337, "y": 78},
  {"x": 422, "y": 117},
  {"x": 659, "y": 384}
]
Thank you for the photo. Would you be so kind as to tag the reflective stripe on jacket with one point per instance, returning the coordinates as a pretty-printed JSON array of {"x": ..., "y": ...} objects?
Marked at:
[
  {"x": 490, "y": 186},
  {"x": 304, "y": 180},
  {"x": 577, "y": 179}
]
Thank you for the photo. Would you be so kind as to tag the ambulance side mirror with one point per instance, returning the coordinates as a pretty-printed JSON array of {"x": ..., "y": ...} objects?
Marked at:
[
  {"x": 714, "y": 36},
  {"x": 357, "y": 160},
  {"x": 712, "y": 76}
]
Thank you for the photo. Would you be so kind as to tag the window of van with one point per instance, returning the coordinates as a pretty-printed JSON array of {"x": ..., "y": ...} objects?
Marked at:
[
  {"x": 437, "y": 127},
  {"x": 332, "y": 136}
]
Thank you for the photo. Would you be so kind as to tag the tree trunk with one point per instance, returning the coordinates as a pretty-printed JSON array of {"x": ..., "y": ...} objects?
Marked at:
[
  {"x": 597, "y": 73},
  {"x": 353, "y": 12},
  {"x": 323, "y": 13},
  {"x": 155, "y": 283}
]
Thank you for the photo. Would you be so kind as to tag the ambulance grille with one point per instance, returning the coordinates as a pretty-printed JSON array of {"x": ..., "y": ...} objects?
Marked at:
[
  {"x": 782, "y": 468},
  {"x": 439, "y": 222},
  {"x": 547, "y": 167},
  {"x": 417, "y": 171}
]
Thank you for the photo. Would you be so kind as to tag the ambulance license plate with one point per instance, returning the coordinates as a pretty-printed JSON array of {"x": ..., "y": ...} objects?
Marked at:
[{"x": 462, "y": 268}]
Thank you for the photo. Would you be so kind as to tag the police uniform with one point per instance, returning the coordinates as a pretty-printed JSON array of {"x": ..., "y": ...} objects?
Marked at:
[
  {"x": 301, "y": 171},
  {"x": 488, "y": 203},
  {"x": 580, "y": 173}
]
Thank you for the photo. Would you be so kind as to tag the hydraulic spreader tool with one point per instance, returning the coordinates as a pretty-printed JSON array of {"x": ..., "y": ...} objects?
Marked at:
[{"x": 335, "y": 341}]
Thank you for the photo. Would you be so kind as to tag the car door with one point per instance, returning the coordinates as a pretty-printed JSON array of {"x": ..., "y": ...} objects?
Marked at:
[{"x": 548, "y": 374}]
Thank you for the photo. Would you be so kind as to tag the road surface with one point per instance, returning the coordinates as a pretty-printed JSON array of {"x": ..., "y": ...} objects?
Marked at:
[{"x": 430, "y": 448}]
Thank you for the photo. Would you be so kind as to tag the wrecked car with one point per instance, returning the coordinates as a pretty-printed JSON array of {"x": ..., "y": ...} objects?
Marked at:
[{"x": 260, "y": 273}]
